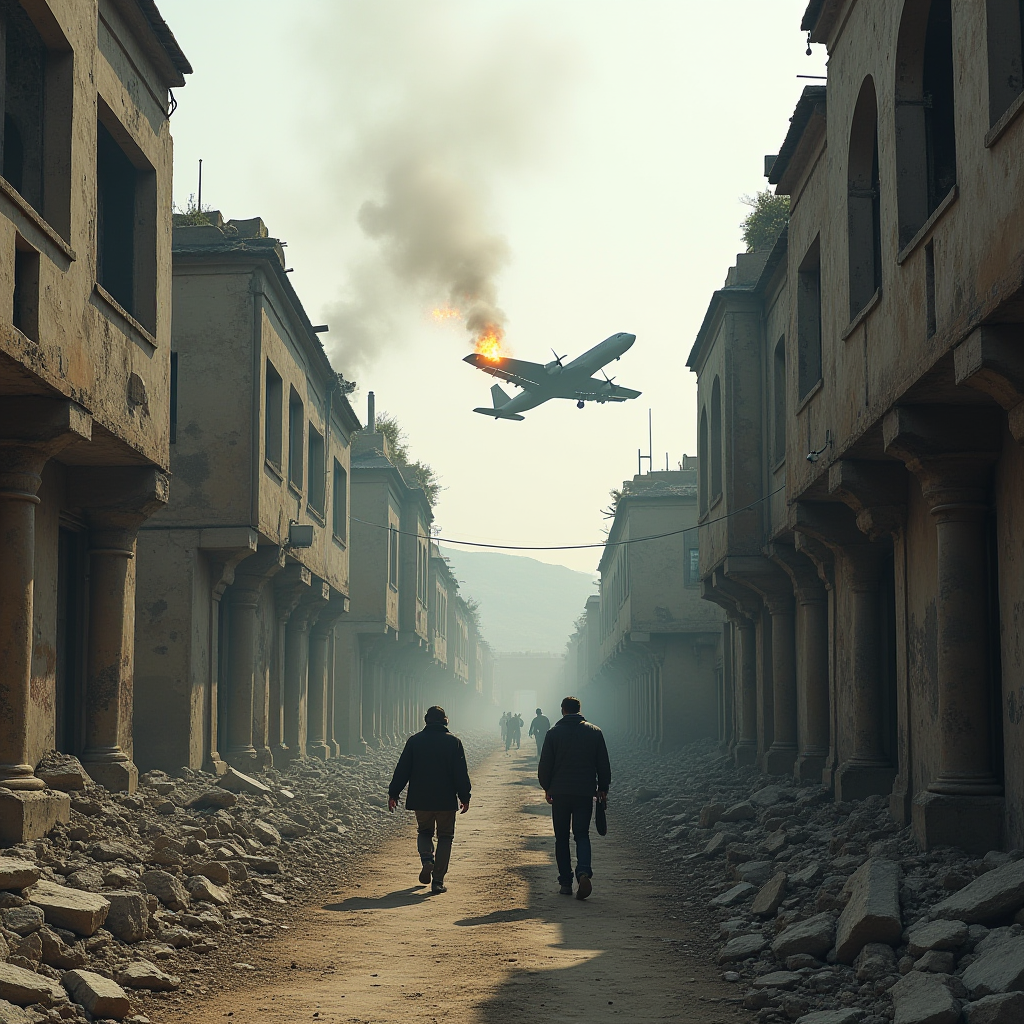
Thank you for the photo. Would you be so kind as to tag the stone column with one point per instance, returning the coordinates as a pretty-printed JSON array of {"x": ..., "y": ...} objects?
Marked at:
[
  {"x": 243, "y": 637},
  {"x": 320, "y": 638},
  {"x": 746, "y": 745},
  {"x": 296, "y": 693},
  {"x": 116, "y": 502},
  {"x": 781, "y": 756},
  {"x": 951, "y": 452},
  {"x": 290, "y": 585}
]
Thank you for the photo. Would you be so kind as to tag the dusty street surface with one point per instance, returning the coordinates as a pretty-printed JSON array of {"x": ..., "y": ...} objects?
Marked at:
[{"x": 500, "y": 945}]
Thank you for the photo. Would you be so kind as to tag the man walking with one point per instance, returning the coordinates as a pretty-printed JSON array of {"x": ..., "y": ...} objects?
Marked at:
[
  {"x": 573, "y": 768},
  {"x": 516, "y": 725},
  {"x": 433, "y": 766},
  {"x": 539, "y": 729}
]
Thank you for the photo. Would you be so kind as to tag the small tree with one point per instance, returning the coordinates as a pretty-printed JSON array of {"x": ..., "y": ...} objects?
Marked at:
[
  {"x": 398, "y": 448},
  {"x": 191, "y": 216},
  {"x": 768, "y": 216}
]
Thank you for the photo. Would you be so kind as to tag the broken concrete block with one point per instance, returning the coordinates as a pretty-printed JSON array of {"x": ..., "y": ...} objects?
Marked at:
[
  {"x": 238, "y": 782},
  {"x": 756, "y": 872},
  {"x": 924, "y": 999},
  {"x": 100, "y": 996},
  {"x": 213, "y": 799},
  {"x": 995, "y": 895},
  {"x": 11, "y": 1014},
  {"x": 936, "y": 961},
  {"x": 23, "y": 988},
  {"x": 62, "y": 771},
  {"x": 771, "y": 894},
  {"x": 16, "y": 873},
  {"x": 935, "y": 935},
  {"x": 778, "y": 979},
  {"x": 999, "y": 969},
  {"x": 808, "y": 876},
  {"x": 814, "y": 936},
  {"x": 737, "y": 894},
  {"x": 200, "y": 888},
  {"x": 23, "y": 920},
  {"x": 128, "y": 917},
  {"x": 718, "y": 843},
  {"x": 265, "y": 833},
  {"x": 57, "y": 953},
  {"x": 143, "y": 974},
  {"x": 28, "y": 815},
  {"x": 737, "y": 853},
  {"x": 166, "y": 888},
  {"x": 1007, "y": 1008},
  {"x": 108, "y": 850},
  {"x": 64, "y": 907},
  {"x": 741, "y": 948},
  {"x": 873, "y": 912},
  {"x": 876, "y": 961},
  {"x": 215, "y": 870},
  {"x": 743, "y": 811},
  {"x": 709, "y": 814}
]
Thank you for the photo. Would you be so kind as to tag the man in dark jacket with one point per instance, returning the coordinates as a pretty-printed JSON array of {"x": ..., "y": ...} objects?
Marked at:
[
  {"x": 539, "y": 729},
  {"x": 433, "y": 765},
  {"x": 573, "y": 769}
]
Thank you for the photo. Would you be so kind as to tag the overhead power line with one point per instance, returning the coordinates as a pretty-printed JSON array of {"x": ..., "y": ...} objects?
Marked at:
[{"x": 575, "y": 547}]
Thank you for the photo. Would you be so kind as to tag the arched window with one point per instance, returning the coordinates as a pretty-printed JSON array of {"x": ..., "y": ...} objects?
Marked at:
[
  {"x": 925, "y": 123},
  {"x": 779, "y": 401},
  {"x": 716, "y": 439},
  {"x": 702, "y": 462},
  {"x": 863, "y": 209},
  {"x": 1005, "y": 56}
]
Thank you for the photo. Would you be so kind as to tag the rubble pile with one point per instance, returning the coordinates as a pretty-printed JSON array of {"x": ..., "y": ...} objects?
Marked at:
[
  {"x": 829, "y": 913},
  {"x": 147, "y": 898}
]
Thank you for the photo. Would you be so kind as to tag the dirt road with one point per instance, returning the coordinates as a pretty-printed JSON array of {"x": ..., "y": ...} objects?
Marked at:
[{"x": 501, "y": 945}]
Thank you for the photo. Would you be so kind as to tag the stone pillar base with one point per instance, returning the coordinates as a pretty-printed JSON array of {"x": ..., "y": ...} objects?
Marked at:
[
  {"x": 117, "y": 776},
  {"x": 779, "y": 760},
  {"x": 216, "y": 765},
  {"x": 264, "y": 758},
  {"x": 335, "y": 747},
  {"x": 856, "y": 781},
  {"x": 244, "y": 760},
  {"x": 809, "y": 768},
  {"x": 744, "y": 754},
  {"x": 319, "y": 750},
  {"x": 26, "y": 815},
  {"x": 972, "y": 823}
]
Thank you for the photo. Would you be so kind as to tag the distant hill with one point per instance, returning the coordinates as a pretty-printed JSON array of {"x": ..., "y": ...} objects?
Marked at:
[{"x": 525, "y": 605}]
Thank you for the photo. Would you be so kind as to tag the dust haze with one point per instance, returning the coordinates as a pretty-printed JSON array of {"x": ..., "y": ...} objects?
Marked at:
[{"x": 431, "y": 112}]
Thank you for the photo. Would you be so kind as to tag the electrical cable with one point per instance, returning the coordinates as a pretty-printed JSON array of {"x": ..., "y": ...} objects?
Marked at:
[{"x": 576, "y": 547}]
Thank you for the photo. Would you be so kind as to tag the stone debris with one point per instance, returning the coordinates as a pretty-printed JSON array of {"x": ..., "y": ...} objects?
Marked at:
[
  {"x": 63, "y": 772},
  {"x": 1001, "y": 1009},
  {"x": 737, "y": 894},
  {"x": 99, "y": 995},
  {"x": 999, "y": 969},
  {"x": 64, "y": 907},
  {"x": 16, "y": 873},
  {"x": 994, "y": 896},
  {"x": 935, "y": 935},
  {"x": 143, "y": 974},
  {"x": 770, "y": 896},
  {"x": 25, "y": 988},
  {"x": 814, "y": 936},
  {"x": 924, "y": 999},
  {"x": 873, "y": 912}
]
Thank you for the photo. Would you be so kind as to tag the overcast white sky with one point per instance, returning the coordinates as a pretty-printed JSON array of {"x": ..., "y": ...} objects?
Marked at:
[{"x": 603, "y": 146}]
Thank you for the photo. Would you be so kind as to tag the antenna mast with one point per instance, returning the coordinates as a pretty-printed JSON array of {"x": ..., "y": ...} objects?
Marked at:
[{"x": 640, "y": 457}]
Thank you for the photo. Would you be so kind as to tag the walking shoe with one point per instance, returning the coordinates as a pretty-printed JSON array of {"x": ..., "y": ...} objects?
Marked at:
[
  {"x": 437, "y": 887},
  {"x": 585, "y": 888},
  {"x": 565, "y": 890},
  {"x": 428, "y": 867}
]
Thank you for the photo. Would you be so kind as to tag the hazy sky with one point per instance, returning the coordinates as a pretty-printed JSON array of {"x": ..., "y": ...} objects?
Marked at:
[{"x": 579, "y": 163}]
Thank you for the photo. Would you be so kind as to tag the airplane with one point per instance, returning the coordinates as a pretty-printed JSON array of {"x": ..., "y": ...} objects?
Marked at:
[{"x": 542, "y": 382}]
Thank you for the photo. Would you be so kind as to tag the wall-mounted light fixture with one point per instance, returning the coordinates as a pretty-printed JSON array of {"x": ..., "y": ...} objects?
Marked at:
[
  {"x": 813, "y": 456},
  {"x": 299, "y": 536}
]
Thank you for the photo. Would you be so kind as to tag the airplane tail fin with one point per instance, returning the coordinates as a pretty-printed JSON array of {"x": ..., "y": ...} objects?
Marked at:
[{"x": 498, "y": 397}]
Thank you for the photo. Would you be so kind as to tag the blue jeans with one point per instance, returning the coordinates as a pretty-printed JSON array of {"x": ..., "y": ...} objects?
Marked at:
[{"x": 574, "y": 812}]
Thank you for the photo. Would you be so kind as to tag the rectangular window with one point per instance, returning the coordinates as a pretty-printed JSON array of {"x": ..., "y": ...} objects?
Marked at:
[
  {"x": 317, "y": 485},
  {"x": 808, "y": 320},
  {"x": 340, "y": 503},
  {"x": 693, "y": 566},
  {"x": 1005, "y": 63},
  {"x": 26, "y": 289},
  {"x": 393, "y": 557},
  {"x": 779, "y": 401},
  {"x": 273, "y": 398},
  {"x": 296, "y": 441},
  {"x": 931, "y": 325},
  {"x": 125, "y": 223},
  {"x": 174, "y": 398}
]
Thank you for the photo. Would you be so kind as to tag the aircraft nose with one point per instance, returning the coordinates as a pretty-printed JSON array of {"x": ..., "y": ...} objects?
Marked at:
[{"x": 627, "y": 337}]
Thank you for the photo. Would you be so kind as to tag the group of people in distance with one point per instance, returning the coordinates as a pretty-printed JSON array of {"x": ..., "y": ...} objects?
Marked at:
[{"x": 573, "y": 771}]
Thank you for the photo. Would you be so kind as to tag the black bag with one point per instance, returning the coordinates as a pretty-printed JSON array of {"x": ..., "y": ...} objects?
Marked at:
[{"x": 601, "y": 818}]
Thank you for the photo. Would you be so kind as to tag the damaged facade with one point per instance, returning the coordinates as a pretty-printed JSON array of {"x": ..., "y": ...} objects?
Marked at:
[
  {"x": 860, "y": 388},
  {"x": 85, "y": 259},
  {"x": 644, "y": 654}
]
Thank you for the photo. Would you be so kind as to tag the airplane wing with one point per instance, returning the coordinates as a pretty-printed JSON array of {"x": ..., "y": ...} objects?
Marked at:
[
  {"x": 595, "y": 390},
  {"x": 516, "y": 371}
]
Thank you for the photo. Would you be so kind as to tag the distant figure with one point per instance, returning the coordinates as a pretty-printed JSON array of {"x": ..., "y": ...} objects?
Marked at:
[
  {"x": 573, "y": 768},
  {"x": 516, "y": 724},
  {"x": 433, "y": 765},
  {"x": 503, "y": 726},
  {"x": 539, "y": 729},
  {"x": 508, "y": 730}
]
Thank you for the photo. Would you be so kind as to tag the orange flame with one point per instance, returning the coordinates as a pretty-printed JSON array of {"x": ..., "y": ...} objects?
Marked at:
[
  {"x": 490, "y": 343},
  {"x": 443, "y": 313}
]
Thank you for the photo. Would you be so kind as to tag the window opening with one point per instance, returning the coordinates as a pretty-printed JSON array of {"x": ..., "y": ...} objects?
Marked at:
[
  {"x": 25, "y": 312},
  {"x": 864, "y": 202},
  {"x": 317, "y": 485},
  {"x": 1005, "y": 55},
  {"x": 703, "y": 461},
  {"x": 393, "y": 557},
  {"x": 340, "y": 504},
  {"x": 115, "y": 220},
  {"x": 296, "y": 426},
  {"x": 273, "y": 398},
  {"x": 779, "y": 400},
  {"x": 716, "y": 439},
  {"x": 808, "y": 312}
]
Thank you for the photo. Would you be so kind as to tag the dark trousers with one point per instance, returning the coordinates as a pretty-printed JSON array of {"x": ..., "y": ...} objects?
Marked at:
[
  {"x": 572, "y": 812},
  {"x": 539, "y": 737},
  {"x": 444, "y": 822}
]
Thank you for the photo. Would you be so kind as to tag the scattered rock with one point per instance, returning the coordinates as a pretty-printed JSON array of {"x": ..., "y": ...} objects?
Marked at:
[
  {"x": 641, "y": 796},
  {"x": 108, "y": 850},
  {"x": 1007, "y": 1008},
  {"x": 265, "y": 833},
  {"x": 100, "y": 996},
  {"x": 743, "y": 811},
  {"x": 710, "y": 814},
  {"x": 23, "y": 988},
  {"x": 23, "y": 920},
  {"x": 999, "y": 969},
  {"x": 815, "y": 936},
  {"x": 742, "y": 947},
  {"x": 778, "y": 979},
  {"x": 810, "y": 875},
  {"x": 935, "y": 935},
  {"x": 873, "y": 912},
  {"x": 876, "y": 961},
  {"x": 771, "y": 894},
  {"x": 128, "y": 917},
  {"x": 59, "y": 954},
  {"x": 737, "y": 894},
  {"x": 63, "y": 772},
  {"x": 202, "y": 889},
  {"x": 237, "y": 782},
  {"x": 63, "y": 907},
  {"x": 213, "y": 799},
  {"x": 755, "y": 872},
  {"x": 17, "y": 874},
  {"x": 995, "y": 895},
  {"x": 847, "y": 1016},
  {"x": 924, "y": 999},
  {"x": 166, "y": 888},
  {"x": 143, "y": 974}
]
